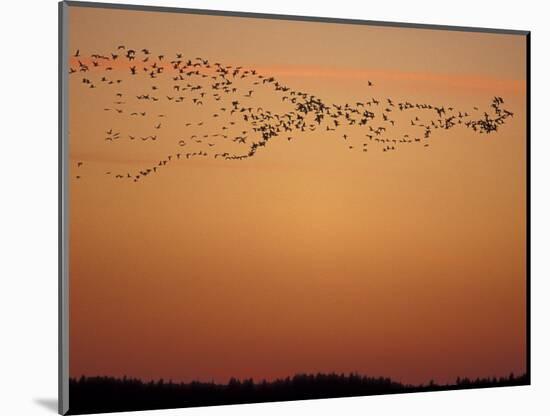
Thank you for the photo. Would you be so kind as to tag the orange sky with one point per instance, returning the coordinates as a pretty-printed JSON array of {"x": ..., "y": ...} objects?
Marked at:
[{"x": 309, "y": 256}]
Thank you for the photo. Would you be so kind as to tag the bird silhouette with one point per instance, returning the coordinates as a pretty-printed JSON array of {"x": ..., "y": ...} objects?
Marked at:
[{"x": 213, "y": 89}]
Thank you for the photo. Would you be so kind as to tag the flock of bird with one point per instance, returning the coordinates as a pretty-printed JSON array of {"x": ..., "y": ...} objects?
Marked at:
[{"x": 232, "y": 90}]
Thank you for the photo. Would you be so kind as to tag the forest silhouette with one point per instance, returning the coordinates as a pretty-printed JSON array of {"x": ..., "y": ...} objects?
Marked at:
[{"x": 109, "y": 394}]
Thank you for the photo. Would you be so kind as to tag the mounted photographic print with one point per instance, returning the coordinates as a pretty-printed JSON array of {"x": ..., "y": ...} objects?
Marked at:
[{"x": 259, "y": 208}]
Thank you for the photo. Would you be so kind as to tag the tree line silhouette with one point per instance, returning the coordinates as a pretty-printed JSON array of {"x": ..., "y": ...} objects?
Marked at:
[{"x": 109, "y": 394}]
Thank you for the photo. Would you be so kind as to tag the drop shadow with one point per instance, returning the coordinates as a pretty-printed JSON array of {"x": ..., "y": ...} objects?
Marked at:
[{"x": 49, "y": 404}]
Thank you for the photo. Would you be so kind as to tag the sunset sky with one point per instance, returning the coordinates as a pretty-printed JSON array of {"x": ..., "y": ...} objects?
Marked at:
[{"x": 310, "y": 256}]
